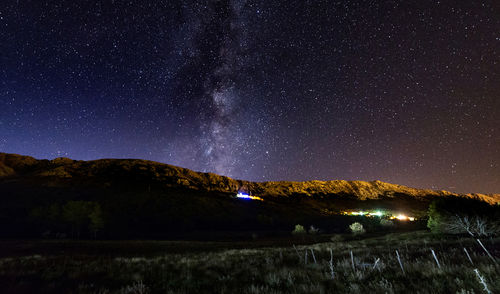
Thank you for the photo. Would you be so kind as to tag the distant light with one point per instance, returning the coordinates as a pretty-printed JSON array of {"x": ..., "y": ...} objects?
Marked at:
[
  {"x": 358, "y": 213},
  {"x": 377, "y": 213},
  {"x": 402, "y": 217},
  {"x": 246, "y": 196}
]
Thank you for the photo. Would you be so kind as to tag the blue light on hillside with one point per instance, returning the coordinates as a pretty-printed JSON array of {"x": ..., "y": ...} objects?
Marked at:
[
  {"x": 243, "y": 196},
  {"x": 248, "y": 197}
]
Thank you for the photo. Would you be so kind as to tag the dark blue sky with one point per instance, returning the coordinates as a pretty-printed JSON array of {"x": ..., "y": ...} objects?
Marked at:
[{"x": 405, "y": 92}]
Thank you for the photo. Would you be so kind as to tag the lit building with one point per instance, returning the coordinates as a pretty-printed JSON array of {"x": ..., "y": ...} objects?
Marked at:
[{"x": 249, "y": 197}]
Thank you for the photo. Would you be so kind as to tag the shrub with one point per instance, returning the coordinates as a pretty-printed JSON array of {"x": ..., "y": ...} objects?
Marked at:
[
  {"x": 357, "y": 228},
  {"x": 313, "y": 230},
  {"x": 299, "y": 230},
  {"x": 336, "y": 238},
  {"x": 386, "y": 223}
]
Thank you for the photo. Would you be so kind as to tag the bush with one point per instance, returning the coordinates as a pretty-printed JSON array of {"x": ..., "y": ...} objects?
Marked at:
[
  {"x": 386, "y": 223},
  {"x": 299, "y": 230},
  {"x": 313, "y": 230},
  {"x": 357, "y": 228},
  {"x": 336, "y": 238}
]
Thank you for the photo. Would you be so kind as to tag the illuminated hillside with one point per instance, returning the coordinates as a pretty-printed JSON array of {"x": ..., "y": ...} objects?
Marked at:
[{"x": 97, "y": 172}]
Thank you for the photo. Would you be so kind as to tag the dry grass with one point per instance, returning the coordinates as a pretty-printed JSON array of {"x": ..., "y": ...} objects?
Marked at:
[{"x": 270, "y": 270}]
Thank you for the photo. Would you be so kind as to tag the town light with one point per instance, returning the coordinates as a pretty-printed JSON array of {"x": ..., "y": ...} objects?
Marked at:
[
  {"x": 376, "y": 213},
  {"x": 358, "y": 213}
]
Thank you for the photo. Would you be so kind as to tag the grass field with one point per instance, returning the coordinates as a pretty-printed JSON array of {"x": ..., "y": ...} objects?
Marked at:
[{"x": 344, "y": 264}]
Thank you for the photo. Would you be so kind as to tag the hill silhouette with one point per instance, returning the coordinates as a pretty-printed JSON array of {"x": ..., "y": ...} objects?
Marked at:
[{"x": 137, "y": 197}]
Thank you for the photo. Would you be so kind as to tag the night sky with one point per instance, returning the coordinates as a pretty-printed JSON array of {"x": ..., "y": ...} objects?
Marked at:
[{"x": 405, "y": 92}]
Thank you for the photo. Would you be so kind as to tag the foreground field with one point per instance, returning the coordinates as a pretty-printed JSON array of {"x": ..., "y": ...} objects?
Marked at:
[{"x": 343, "y": 265}]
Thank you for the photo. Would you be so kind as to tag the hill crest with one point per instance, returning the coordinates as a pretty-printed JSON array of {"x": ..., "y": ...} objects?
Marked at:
[{"x": 60, "y": 171}]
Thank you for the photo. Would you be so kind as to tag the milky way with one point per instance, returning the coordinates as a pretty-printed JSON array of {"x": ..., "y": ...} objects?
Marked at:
[
  {"x": 403, "y": 92},
  {"x": 222, "y": 138}
]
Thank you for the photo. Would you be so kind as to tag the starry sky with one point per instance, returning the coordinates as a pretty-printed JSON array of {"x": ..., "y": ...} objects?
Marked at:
[{"x": 406, "y": 92}]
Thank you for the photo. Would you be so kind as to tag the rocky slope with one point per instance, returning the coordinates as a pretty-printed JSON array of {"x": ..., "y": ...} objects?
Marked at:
[{"x": 101, "y": 173}]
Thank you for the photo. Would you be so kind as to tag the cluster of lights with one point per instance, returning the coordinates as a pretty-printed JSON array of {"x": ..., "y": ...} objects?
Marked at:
[
  {"x": 403, "y": 217},
  {"x": 357, "y": 213},
  {"x": 364, "y": 213},
  {"x": 246, "y": 196},
  {"x": 378, "y": 213}
]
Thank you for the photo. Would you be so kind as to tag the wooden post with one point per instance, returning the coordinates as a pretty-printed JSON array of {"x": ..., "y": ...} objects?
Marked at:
[
  {"x": 297, "y": 251},
  {"x": 400, "y": 263},
  {"x": 332, "y": 273},
  {"x": 435, "y": 258},
  {"x": 486, "y": 250},
  {"x": 314, "y": 257},
  {"x": 470, "y": 259}
]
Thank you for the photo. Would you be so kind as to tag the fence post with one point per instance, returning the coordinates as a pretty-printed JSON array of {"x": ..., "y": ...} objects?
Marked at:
[
  {"x": 297, "y": 251},
  {"x": 470, "y": 259},
  {"x": 435, "y": 258},
  {"x": 331, "y": 264},
  {"x": 492, "y": 258},
  {"x": 352, "y": 262},
  {"x": 314, "y": 257},
  {"x": 400, "y": 263}
]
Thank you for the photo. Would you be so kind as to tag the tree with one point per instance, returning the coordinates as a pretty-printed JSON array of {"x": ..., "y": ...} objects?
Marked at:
[
  {"x": 77, "y": 213},
  {"x": 436, "y": 217},
  {"x": 96, "y": 220},
  {"x": 48, "y": 219}
]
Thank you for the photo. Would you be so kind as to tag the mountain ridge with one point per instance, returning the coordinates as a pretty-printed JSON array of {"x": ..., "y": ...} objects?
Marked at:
[{"x": 63, "y": 170}]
